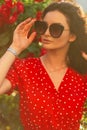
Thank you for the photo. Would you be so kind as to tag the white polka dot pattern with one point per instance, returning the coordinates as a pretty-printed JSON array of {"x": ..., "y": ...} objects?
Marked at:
[{"x": 42, "y": 107}]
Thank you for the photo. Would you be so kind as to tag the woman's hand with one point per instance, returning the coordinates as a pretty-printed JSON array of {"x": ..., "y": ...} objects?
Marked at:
[
  {"x": 20, "y": 38},
  {"x": 84, "y": 55}
]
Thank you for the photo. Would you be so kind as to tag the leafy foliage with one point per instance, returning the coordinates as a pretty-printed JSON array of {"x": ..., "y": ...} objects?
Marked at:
[{"x": 9, "y": 112}]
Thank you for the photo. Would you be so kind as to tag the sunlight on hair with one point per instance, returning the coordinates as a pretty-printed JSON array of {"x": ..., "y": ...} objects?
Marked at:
[{"x": 74, "y": 1}]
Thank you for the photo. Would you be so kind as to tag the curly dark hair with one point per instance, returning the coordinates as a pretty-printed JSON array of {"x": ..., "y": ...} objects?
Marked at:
[{"x": 77, "y": 24}]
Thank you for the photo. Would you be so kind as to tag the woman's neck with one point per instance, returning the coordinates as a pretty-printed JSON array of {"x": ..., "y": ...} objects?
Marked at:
[{"x": 54, "y": 58}]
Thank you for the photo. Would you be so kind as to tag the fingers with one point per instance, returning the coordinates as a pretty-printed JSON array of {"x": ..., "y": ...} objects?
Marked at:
[
  {"x": 29, "y": 25},
  {"x": 26, "y": 25},
  {"x": 84, "y": 55},
  {"x": 23, "y": 28},
  {"x": 31, "y": 37}
]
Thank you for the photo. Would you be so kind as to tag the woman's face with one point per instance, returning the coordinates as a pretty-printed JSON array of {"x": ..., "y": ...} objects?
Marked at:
[{"x": 66, "y": 37}]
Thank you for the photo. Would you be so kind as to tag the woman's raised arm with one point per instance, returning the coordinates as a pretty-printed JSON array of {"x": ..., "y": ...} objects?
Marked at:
[{"x": 20, "y": 42}]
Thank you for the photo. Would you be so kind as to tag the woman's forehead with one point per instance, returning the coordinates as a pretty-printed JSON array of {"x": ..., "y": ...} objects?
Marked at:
[{"x": 55, "y": 17}]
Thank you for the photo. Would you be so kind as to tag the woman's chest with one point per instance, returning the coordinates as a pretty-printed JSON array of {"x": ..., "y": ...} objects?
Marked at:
[{"x": 40, "y": 94}]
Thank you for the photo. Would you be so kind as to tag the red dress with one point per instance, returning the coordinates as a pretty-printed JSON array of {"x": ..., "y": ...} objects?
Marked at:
[{"x": 42, "y": 107}]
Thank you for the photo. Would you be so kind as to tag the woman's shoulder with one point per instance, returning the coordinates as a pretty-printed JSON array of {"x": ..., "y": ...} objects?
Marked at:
[
  {"x": 77, "y": 79},
  {"x": 25, "y": 63},
  {"x": 28, "y": 60},
  {"x": 75, "y": 74}
]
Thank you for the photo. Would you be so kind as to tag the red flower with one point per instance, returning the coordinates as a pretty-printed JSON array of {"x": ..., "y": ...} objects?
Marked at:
[
  {"x": 38, "y": 0},
  {"x": 20, "y": 7},
  {"x": 13, "y": 18},
  {"x": 9, "y": 11},
  {"x": 43, "y": 51},
  {"x": 9, "y": 3},
  {"x": 38, "y": 15},
  {"x": 4, "y": 13}
]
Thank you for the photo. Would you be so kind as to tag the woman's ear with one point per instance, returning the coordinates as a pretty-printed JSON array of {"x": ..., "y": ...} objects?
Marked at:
[{"x": 72, "y": 38}]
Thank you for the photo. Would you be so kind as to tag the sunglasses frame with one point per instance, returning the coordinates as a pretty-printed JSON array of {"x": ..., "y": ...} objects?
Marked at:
[{"x": 45, "y": 26}]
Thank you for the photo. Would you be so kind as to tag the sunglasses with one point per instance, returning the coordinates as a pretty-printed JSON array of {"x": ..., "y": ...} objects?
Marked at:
[{"x": 55, "y": 29}]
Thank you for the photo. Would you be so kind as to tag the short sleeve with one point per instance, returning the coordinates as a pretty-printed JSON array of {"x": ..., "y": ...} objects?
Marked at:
[{"x": 13, "y": 75}]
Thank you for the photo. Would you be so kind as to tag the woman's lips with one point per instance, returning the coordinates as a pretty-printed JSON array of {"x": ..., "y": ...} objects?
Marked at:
[{"x": 46, "y": 41}]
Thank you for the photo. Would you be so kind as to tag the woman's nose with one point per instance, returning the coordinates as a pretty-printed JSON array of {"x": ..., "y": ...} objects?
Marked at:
[{"x": 47, "y": 32}]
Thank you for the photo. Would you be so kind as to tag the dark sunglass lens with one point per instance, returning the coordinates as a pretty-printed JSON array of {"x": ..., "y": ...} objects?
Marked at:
[
  {"x": 40, "y": 27},
  {"x": 56, "y": 30}
]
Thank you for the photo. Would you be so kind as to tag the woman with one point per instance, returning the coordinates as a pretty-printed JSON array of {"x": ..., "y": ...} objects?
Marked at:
[{"x": 51, "y": 88}]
